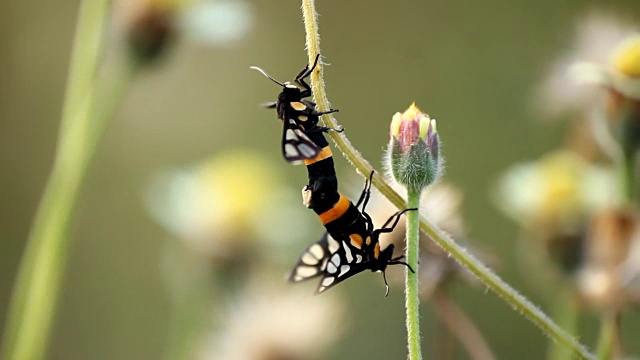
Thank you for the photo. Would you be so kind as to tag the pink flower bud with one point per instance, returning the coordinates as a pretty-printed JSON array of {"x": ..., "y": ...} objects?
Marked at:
[{"x": 414, "y": 149}]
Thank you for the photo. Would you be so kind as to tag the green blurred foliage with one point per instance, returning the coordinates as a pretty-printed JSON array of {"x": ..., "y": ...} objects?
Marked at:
[{"x": 470, "y": 65}]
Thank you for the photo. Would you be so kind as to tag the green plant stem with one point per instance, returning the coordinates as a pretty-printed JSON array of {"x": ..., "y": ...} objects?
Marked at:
[
  {"x": 89, "y": 105},
  {"x": 628, "y": 175},
  {"x": 567, "y": 314},
  {"x": 412, "y": 303},
  {"x": 484, "y": 274},
  {"x": 608, "y": 341}
]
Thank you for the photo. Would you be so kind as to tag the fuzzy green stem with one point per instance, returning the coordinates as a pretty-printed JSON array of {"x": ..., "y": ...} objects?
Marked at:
[
  {"x": 484, "y": 274},
  {"x": 89, "y": 105},
  {"x": 412, "y": 303}
]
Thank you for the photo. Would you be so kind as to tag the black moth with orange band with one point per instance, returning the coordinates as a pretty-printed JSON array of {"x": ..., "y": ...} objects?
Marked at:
[
  {"x": 351, "y": 244},
  {"x": 299, "y": 116}
]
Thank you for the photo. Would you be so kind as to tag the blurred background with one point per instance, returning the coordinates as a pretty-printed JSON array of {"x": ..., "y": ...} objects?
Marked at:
[{"x": 189, "y": 193}]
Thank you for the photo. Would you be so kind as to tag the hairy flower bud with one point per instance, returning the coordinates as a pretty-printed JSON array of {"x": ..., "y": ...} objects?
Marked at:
[{"x": 413, "y": 156}]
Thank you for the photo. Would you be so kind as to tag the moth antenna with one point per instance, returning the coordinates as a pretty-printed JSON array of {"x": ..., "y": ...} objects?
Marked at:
[
  {"x": 267, "y": 75},
  {"x": 384, "y": 276}
]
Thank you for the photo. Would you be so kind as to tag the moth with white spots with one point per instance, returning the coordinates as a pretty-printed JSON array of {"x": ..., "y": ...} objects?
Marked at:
[
  {"x": 350, "y": 246},
  {"x": 298, "y": 115}
]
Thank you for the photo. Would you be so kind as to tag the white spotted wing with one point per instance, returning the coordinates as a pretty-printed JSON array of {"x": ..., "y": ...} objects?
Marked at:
[
  {"x": 333, "y": 260},
  {"x": 296, "y": 145}
]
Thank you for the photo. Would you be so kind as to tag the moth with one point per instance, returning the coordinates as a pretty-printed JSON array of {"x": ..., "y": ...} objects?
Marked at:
[{"x": 299, "y": 115}]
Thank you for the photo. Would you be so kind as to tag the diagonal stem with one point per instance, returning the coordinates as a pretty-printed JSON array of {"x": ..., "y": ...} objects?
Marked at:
[{"x": 514, "y": 299}]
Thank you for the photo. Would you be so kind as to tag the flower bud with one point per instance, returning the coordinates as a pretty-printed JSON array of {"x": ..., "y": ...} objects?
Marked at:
[
  {"x": 413, "y": 156},
  {"x": 149, "y": 25}
]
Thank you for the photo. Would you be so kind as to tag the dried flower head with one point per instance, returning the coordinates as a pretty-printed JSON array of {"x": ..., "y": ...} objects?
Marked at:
[
  {"x": 149, "y": 26},
  {"x": 413, "y": 155},
  {"x": 609, "y": 277}
]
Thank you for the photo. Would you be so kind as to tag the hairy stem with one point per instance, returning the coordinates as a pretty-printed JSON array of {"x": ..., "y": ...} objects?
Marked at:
[
  {"x": 412, "y": 302},
  {"x": 89, "y": 105},
  {"x": 488, "y": 277}
]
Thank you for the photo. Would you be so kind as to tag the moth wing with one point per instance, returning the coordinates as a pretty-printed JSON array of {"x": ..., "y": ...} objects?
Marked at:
[
  {"x": 312, "y": 261},
  {"x": 343, "y": 262},
  {"x": 296, "y": 145}
]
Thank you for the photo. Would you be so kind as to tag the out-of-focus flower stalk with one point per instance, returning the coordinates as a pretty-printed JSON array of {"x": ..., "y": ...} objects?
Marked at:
[
  {"x": 623, "y": 114},
  {"x": 624, "y": 109},
  {"x": 488, "y": 277},
  {"x": 93, "y": 96},
  {"x": 609, "y": 338},
  {"x": 89, "y": 105},
  {"x": 567, "y": 314}
]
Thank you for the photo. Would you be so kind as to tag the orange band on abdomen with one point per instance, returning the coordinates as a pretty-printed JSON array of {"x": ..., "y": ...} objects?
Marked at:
[
  {"x": 336, "y": 211},
  {"x": 325, "y": 153}
]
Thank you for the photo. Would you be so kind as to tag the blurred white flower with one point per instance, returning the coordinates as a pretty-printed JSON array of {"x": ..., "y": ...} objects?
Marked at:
[
  {"x": 559, "y": 189},
  {"x": 223, "y": 205},
  {"x": 272, "y": 322},
  {"x": 596, "y": 38},
  {"x": 218, "y": 22},
  {"x": 148, "y": 23}
]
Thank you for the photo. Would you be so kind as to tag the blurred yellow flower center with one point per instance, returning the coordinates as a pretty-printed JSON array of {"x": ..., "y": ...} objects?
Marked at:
[
  {"x": 626, "y": 59},
  {"x": 238, "y": 183},
  {"x": 561, "y": 195}
]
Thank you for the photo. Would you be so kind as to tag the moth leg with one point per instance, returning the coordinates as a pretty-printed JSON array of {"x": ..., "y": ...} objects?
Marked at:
[
  {"x": 318, "y": 113},
  {"x": 304, "y": 74},
  {"x": 397, "y": 215}
]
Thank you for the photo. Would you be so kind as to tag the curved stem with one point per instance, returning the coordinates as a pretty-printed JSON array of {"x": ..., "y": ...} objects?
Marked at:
[
  {"x": 89, "y": 105},
  {"x": 412, "y": 301},
  {"x": 488, "y": 277}
]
